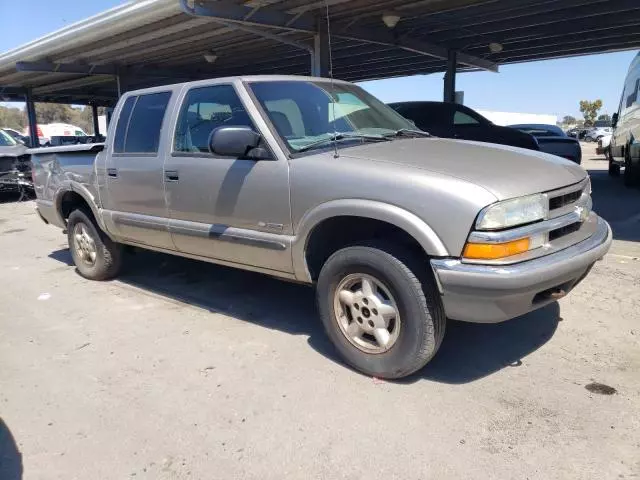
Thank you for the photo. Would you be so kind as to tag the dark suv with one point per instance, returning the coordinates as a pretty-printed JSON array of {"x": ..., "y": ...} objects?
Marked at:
[{"x": 451, "y": 120}]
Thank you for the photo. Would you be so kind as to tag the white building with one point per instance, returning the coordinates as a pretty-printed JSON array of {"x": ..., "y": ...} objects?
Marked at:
[{"x": 512, "y": 118}]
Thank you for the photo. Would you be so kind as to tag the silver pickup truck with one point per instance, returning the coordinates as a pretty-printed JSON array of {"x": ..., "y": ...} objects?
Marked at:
[{"x": 319, "y": 182}]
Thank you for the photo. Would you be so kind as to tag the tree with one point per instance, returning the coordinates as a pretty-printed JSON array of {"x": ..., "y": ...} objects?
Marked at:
[
  {"x": 85, "y": 119},
  {"x": 50, "y": 113},
  {"x": 605, "y": 116},
  {"x": 54, "y": 113},
  {"x": 12, "y": 118},
  {"x": 589, "y": 110},
  {"x": 568, "y": 120}
]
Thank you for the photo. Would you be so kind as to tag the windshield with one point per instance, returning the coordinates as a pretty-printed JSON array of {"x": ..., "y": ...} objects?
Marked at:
[
  {"x": 6, "y": 140},
  {"x": 306, "y": 113}
]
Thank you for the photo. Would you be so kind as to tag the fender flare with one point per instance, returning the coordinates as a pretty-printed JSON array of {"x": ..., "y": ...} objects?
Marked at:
[
  {"x": 80, "y": 189},
  {"x": 403, "y": 219}
]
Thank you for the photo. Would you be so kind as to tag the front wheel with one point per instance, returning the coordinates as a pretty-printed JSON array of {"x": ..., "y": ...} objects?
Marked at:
[
  {"x": 381, "y": 310},
  {"x": 95, "y": 255}
]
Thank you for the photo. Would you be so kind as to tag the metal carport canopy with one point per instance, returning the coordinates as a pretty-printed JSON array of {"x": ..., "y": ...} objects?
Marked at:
[{"x": 154, "y": 42}]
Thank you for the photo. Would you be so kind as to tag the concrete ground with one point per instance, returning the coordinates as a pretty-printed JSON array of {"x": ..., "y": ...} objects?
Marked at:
[{"x": 181, "y": 370}]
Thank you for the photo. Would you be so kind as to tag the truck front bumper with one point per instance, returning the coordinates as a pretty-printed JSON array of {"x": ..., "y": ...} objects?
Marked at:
[{"x": 491, "y": 294}]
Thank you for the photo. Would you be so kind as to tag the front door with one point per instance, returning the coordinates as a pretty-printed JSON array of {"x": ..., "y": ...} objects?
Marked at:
[
  {"x": 135, "y": 203},
  {"x": 230, "y": 209}
]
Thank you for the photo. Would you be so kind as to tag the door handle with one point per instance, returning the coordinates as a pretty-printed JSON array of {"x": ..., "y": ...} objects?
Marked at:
[
  {"x": 112, "y": 172},
  {"x": 171, "y": 175}
]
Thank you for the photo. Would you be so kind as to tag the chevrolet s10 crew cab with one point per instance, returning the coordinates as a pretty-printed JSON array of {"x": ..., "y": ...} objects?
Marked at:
[{"x": 317, "y": 181}]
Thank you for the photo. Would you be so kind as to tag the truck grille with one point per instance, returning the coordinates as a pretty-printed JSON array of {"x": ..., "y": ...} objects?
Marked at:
[
  {"x": 564, "y": 200},
  {"x": 566, "y": 230}
]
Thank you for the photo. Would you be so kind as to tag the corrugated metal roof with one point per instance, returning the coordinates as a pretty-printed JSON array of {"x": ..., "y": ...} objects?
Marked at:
[{"x": 155, "y": 42}]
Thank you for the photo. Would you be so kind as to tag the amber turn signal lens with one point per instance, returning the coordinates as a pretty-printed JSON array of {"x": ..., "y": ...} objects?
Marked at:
[{"x": 493, "y": 251}]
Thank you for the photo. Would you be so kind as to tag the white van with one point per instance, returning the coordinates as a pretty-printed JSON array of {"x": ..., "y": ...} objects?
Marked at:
[
  {"x": 625, "y": 142},
  {"x": 46, "y": 131}
]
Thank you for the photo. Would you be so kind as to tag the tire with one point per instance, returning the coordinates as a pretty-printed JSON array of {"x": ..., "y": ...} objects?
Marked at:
[
  {"x": 420, "y": 321},
  {"x": 614, "y": 169},
  {"x": 108, "y": 254},
  {"x": 631, "y": 174}
]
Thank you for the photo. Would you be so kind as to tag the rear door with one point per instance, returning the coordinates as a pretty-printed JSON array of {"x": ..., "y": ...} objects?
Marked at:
[{"x": 135, "y": 201}]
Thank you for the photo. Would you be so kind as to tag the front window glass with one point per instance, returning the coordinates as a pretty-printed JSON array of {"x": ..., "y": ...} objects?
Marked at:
[
  {"x": 305, "y": 113},
  {"x": 204, "y": 109},
  {"x": 6, "y": 140}
]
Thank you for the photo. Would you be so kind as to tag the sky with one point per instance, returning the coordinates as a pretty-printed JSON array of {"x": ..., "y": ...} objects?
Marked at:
[{"x": 548, "y": 87}]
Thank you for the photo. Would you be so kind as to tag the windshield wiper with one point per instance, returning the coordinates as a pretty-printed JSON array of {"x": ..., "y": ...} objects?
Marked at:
[
  {"x": 342, "y": 136},
  {"x": 408, "y": 132}
]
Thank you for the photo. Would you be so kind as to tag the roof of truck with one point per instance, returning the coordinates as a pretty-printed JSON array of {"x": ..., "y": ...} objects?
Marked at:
[{"x": 241, "y": 78}]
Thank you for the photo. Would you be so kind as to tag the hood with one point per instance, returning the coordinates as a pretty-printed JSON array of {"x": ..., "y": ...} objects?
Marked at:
[{"x": 505, "y": 171}]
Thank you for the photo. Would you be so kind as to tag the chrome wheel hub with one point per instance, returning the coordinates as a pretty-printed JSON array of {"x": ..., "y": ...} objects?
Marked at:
[
  {"x": 84, "y": 245},
  {"x": 367, "y": 313}
]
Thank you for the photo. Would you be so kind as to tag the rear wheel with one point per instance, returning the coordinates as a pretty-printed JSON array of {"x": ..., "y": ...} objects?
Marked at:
[
  {"x": 630, "y": 172},
  {"x": 614, "y": 168},
  {"x": 95, "y": 255},
  {"x": 380, "y": 310}
]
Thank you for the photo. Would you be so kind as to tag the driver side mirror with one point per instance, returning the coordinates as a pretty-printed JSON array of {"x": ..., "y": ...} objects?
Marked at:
[
  {"x": 614, "y": 120},
  {"x": 238, "y": 142}
]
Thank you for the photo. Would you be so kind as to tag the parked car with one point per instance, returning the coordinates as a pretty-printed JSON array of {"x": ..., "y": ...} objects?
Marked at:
[
  {"x": 578, "y": 133},
  {"x": 624, "y": 151},
  {"x": 48, "y": 130},
  {"x": 15, "y": 167},
  {"x": 551, "y": 139},
  {"x": 319, "y": 182},
  {"x": 16, "y": 135},
  {"x": 451, "y": 120},
  {"x": 597, "y": 133},
  {"x": 603, "y": 146}
]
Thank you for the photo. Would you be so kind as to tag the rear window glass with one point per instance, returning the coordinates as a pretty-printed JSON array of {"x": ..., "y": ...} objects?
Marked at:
[
  {"x": 461, "y": 118},
  {"x": 143, "y": 134},
  {"x": 123, "y": 121}
]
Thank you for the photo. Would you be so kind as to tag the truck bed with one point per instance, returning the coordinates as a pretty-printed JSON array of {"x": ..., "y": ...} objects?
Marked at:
[
  {"x": 85, "y": 147},
  {"x": 53, "y": 166}
]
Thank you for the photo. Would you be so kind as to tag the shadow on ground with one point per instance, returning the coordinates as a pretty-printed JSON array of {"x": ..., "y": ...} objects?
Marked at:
[
  {"x": 11, "y": 197},
  {"x": 10, "y": 457},
  {"x": 469, "y": 351},
  {"x": 617, "y": 204},
  {"x": 474, "y": 350}
]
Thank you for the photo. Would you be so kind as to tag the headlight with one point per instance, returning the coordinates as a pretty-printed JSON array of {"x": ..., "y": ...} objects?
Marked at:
[{"x": 510, "y": 213}]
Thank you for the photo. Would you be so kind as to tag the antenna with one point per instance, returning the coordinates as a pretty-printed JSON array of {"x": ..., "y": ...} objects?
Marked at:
[{"x": 333, "y": 101}]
